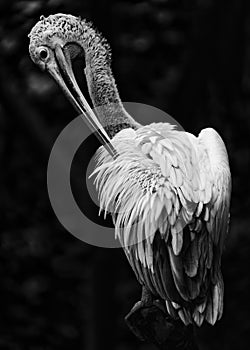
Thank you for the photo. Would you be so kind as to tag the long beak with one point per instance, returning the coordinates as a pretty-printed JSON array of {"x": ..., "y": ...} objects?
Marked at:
[{"x": 63, "y": 74}]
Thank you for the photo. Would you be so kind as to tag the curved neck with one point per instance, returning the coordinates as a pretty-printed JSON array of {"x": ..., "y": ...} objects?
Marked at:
[{"x": 102, "y": 87}]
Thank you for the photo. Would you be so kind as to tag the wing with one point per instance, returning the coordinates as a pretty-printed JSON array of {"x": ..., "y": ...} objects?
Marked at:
[
  {"x": 160, "y": 194},
  {"x": 214, "y": 160}
]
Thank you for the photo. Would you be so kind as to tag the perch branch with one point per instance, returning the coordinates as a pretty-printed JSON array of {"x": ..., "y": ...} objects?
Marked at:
[{"x": 152, "y": 324}]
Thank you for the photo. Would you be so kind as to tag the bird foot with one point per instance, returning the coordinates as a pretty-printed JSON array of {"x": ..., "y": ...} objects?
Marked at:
[{"x": 145, "y": 303}]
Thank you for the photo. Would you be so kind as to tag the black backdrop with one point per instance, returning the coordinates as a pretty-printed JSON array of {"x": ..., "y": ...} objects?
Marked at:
[{"x": 189, "y": 58}]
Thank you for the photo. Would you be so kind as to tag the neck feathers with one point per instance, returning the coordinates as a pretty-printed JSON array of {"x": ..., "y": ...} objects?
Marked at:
[{"x": 102, "y": 87}]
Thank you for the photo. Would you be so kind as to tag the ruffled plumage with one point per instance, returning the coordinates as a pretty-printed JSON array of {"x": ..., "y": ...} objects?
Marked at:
[{"x": 169, "y": 194}]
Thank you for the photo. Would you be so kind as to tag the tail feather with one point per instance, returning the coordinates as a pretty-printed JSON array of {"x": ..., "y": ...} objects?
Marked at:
[
  {"x": 214, "y": 307},
  {"x": 210, "y": 309}
]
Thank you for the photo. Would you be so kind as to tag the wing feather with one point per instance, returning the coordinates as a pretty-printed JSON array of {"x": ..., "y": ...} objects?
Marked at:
[{"x": 170, "y": 193}]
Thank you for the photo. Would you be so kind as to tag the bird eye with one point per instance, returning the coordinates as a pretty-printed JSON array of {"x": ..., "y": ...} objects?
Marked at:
[{"x": 44, "y": 53}]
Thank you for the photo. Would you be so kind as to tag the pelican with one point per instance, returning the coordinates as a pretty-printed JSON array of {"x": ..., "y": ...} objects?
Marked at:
[{"x": 168, "y": 190}]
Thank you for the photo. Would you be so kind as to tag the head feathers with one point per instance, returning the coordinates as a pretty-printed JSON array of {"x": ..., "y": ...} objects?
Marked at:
[{"x": 65, "y": 29}]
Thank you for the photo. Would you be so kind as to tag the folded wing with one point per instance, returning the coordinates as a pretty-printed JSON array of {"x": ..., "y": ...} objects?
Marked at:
[{"x": 169, "y": 195}]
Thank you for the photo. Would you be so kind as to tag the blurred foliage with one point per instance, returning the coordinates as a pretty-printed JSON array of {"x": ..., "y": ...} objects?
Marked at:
[{"x": 189, "y": 58}]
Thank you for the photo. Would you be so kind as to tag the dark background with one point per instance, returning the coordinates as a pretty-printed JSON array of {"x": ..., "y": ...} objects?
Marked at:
[{"x": 189, "y": 58}]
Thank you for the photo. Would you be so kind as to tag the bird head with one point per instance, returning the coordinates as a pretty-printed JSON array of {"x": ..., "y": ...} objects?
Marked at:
[
  {"x": 56, "y": 32},
  {"x": 55, "y": 41}
]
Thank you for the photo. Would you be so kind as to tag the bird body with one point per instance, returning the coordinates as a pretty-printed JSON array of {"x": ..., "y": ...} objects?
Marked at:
[
  {"x": 169, "y": 194},
  {"x": 167, "y": 190}
]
